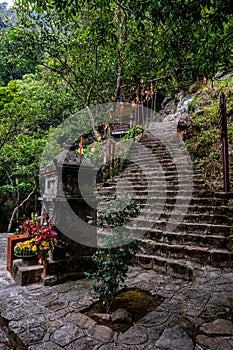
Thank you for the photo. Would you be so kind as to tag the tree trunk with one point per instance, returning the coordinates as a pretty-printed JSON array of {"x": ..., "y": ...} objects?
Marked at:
[
  {"x": 120, "y": 58},
  {"x": 16, "y": 209}
]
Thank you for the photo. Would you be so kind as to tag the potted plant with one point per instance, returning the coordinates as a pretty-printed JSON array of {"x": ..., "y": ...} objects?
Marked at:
[{"x": 42, "y": 239}]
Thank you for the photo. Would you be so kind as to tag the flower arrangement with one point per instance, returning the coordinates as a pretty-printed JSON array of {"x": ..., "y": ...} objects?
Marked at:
[
  {"x": 25, "y": 248},
  {"x": 42, "y": 238}
]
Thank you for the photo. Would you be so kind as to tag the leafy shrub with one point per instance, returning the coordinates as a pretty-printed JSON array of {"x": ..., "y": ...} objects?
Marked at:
[
  {"x": 203, "y": 138},
  {"x": 112, "y": 266},
  {"x": 133, "y": 132},
  {"x": 119, "y": 210},
  {"x": 112, "y": 262}
]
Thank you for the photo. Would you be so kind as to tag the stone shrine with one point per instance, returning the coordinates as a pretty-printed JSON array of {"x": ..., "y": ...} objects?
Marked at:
[{"x": 68, "y": 197}]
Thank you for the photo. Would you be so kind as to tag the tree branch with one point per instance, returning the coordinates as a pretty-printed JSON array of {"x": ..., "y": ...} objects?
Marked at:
[
  {"x": 120, "y": 59},
  {"x": 17, "y": 208},
  {"x": 66, "y": 80}
]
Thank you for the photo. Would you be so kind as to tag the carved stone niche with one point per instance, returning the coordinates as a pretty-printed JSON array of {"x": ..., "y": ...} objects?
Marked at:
[{"x": 69, "y": 198}]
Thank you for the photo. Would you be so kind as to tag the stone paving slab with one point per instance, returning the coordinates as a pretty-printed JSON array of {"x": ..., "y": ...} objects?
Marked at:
[{"x": 193, "y": 316}]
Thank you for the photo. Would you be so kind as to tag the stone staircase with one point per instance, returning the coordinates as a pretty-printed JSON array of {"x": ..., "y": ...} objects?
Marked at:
[{"x": 183, "y": 225}]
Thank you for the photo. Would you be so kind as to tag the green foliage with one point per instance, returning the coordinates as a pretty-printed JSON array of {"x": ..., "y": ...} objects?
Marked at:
[
  {"x": 83, "y": 52},
  {"x": 112, "y": 266},
  {"x": 29, "y": 110},
  {"x": 133, "y": 132},
  {"x": 94, "y": 46},
  {"x": 74, "y": 51},
  {"x": 112, "y": 262},
  {"x": 13, "y": 64},
  {"x": 204, "y": 137},
  {"x": 13, "y": 190},
  {"x": 118, "y": 211},
  {"x": 94, "y": 153}
]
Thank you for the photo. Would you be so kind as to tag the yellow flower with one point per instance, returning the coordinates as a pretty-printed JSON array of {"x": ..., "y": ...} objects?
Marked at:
[{"x": 34, "y": 248}]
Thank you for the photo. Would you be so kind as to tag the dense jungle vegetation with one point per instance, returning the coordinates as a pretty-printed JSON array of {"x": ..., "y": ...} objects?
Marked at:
[{"x": 57, "y": 57}]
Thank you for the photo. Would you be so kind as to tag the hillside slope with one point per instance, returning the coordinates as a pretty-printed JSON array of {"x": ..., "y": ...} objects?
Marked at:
[{"x": 203, "y": 135}]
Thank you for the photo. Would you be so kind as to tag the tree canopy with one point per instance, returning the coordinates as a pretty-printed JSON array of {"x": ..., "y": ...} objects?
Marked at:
[
  {"x": 132, "y": 40},
  {"x": 29, "y": 111},
  {"x": 58, "y": 57}
]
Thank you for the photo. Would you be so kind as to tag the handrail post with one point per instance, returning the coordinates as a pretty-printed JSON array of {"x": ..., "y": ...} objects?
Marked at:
[{"x": 224, "y": 143}]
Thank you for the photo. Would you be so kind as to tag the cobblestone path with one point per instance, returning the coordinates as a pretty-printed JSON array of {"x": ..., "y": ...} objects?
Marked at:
[{"x": 193, "y": 316}]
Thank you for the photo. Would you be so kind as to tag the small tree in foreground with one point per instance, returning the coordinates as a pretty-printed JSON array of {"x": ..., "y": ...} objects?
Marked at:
[
  {"x": 113, "y": 260},
  {"x": 112, "y": 264}
]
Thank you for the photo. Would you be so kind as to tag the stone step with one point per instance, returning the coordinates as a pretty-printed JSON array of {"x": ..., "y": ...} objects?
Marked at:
[
  {"x": 183, "y": 238},
  {"x": 179, "y": 269},
  {"x": 152, "y": 180},
  {"x": 153, "y": 158},
  {"x": 199, "y": 218},
  {"x": 147, "y": 152},
  {"x": 149, "y": 209},
  {"x": 126, "y": 182},
  {"x": 161, "y": 158},
  {"x": 158, "y": 214},
  {"x": 182, "y": 224},
  {"x": 131, "y": 161},
  {"x": 145, "y": 156},
  {"x": 152, "y": 166},
  {"x": 182, "y": 217},
  {"x": 192, "y": 209},
  {"x": 136, "y": 172},
  {"x": 152, "y": 169},
  {"x": 157, "y": 151},
  {"x": 150, "y": 163},
  {"x": 198, "y": 200},
  {"x": 178, "y": 164},
  {"x": 151, "y": 191},
  {"x": 201, "y": 255},
  {"x": 208, "y": 201},
  {"x": 185, "y": 227},
  {"x": 163, "y": 195},
  {"x": 158, "y": 145}
]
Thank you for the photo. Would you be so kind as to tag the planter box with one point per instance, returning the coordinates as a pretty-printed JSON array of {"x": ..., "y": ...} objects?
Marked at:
[{"x": 12, "y": 240}]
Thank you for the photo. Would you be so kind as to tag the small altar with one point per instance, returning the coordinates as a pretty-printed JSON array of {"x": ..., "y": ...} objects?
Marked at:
[{"x": 61, "y": 180}]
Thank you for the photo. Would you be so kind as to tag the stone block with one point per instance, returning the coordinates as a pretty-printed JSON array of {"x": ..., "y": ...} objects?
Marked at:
[
  {"x": 49, "y": 280},
  {"x": 219, "y": 326},
  {"x": 102, "y": 333},
  {"x": 144, "y": 261},
  {"x": 215, "y": 343},
  {"x": 179, "y": 270},
  {"x": 174, "y": 338},
  {"x": 160, "y": 264},
  {"x": 121, "y": 315},
  {"x": 66, "y": 334},
  {"x": 24, "y": 274}
]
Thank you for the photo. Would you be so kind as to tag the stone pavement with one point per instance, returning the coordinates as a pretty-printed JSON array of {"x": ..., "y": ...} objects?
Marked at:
[{"x": 193, "y": 316}]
